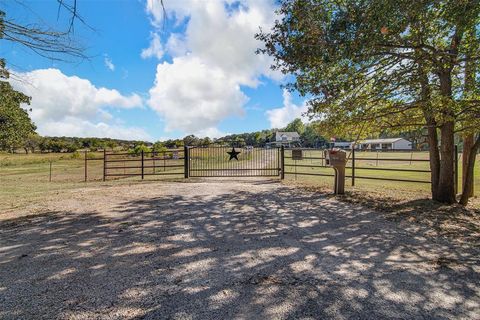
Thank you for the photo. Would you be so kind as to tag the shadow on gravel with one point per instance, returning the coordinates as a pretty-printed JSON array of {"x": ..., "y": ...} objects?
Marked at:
[{"x": 281, "y": 254}]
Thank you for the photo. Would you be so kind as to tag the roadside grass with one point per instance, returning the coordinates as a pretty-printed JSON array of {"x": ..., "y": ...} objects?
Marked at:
[{"x": 25, "y": 178}]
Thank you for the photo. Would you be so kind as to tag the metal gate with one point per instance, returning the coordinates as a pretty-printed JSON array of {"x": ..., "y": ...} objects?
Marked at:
[{"x": 224, "y": 161}]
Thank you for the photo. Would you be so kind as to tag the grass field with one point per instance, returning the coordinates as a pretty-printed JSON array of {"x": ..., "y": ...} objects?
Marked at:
[
  {"x": 25, "y": 178},
  {"x": 366, "y": 165}
]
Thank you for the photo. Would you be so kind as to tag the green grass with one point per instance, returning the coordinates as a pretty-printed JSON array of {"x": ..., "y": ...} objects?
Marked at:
[
  {"x": 26, "y": 178},
  {"x": 373, "y": 160}
]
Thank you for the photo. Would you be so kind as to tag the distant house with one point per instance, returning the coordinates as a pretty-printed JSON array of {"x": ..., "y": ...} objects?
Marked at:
[
  {"x": 287, "y": 138},
  {"x": 384, "y": 144},
  {"x": 342, "y": 144}
]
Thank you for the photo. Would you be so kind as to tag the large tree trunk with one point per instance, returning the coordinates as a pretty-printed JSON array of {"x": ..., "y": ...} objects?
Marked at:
[
  {"x": 467, "y": 190},
  {"x": 446, "y": 183},
  {"x": 432, "y": 134}
]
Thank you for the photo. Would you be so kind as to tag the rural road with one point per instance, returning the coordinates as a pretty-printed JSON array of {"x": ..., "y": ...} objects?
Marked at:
[{"x": 222, "y": 249}]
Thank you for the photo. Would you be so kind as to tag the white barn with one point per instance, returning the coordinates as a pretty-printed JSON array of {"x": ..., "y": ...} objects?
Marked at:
[
  {"x": 342, "y": 145},
  {"x": 384, "y": 144}
]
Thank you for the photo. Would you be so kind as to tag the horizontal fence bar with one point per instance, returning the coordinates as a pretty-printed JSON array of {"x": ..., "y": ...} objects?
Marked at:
[
  {"x": 235, "y": 176},
  {"x": 387, "y": 179},
  {"x": 122, "y": 160},
  {"x": 389, "y": 169},
  {"x": 161, "y": 159},
  {"x": 145, "y": 174},
  {"x": 145, "y": 152},
  {"x": 162, "y": 173},
  {"x": 361, "y": 168},
  {"x": 311, "y": 174},
  {"x": 89, "y": 159},
  {"x": 307, "y": 158},
  {"x": 392, "y": 159},
  {"x": 140, "y": 160},
  {"x": 235, "y": 169},
  {"x": 304, "y": 166},
  {"x": 166, "y": 166},
  {"x": 140, "y": 167}
]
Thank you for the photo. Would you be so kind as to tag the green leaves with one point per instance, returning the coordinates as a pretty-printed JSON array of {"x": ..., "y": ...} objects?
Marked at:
[
  {"x": 364, "y": 62},
  {"x": 15, "y": 123}
]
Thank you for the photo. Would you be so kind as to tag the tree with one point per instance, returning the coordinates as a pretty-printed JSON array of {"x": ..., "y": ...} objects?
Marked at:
[
  {"x": 191, "y": 140},
  {"x": 41, "y": 39},
  {"x": 159, "y": 147},
  {"x": 32, "y": 143},
  {"x": 15, "y": 123},
  {"x": 383, "y": 65},
  {"x": 139, "y": 149},
  {"x": 311, "y": 138},
  {"x": 296, "y": 126},
  {"x": 111, "y": 144}
]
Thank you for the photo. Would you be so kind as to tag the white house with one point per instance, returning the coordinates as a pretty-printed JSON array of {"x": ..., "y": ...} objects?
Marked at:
[
  {"x": 384, "y": 144},
  {"x": 286, "y": 138}
]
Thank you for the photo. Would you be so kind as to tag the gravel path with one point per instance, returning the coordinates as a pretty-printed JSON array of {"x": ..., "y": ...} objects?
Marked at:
[{"x": 219, "y": 250}]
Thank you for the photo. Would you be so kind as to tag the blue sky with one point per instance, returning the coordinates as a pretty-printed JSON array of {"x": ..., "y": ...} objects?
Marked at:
[{"x": 147, "y": 78}]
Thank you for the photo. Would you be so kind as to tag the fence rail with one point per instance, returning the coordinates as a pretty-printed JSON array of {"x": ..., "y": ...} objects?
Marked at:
[
  {"x": 213, "y": 161},
  {"x": 353, "y": 160},
  {"x": 142, "y": 164}
]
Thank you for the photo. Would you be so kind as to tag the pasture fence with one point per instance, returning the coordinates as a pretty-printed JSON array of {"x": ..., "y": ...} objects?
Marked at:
[
  {"x": 393, "y": 165},
  {"x": 313, "y": 164}
]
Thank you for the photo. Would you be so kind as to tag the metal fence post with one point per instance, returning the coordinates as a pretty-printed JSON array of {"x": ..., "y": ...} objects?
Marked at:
[
  {"x": 142, "y": 165},
  {"x": 185, "y": 161},
  {"x": 104, "y": 163},
  {"x": 282, "y": 169},
  {"x": 353, "y": 166},
  {"x": 456, "y": 169},
  {"x": 50, "y": 175},
  {"x": 85, "y": 165}
]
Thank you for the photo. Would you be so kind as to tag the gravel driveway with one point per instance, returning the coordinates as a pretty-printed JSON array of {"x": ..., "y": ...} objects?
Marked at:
[{"x": 212, "y": 249}]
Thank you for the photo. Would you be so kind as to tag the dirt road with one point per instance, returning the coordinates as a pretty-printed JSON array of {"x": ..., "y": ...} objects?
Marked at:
[{"x": 226, "y": 250}]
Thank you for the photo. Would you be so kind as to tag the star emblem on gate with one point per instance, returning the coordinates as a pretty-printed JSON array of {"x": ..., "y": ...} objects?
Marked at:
[{"x": 233, "y": 154}]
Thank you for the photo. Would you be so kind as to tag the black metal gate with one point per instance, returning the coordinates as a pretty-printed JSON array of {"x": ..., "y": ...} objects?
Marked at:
[{"x": 224, "y": 161}]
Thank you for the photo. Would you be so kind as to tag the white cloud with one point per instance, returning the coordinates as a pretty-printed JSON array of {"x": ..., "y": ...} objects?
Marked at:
[
  {"x": 192, "y": 96},
  {"x": 72, "y": 106},
  {"x": 155, "y": 49},
  {"x": 108, "y": 63},
  {"x": 280, "y": 117},
  {"x": 176, "y": 45},
  {"x": 211, "y": 132},
  {"x": 211, "y": 60}
]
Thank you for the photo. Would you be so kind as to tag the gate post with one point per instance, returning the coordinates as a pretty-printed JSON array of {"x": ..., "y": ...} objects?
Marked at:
[
  {"x": 85, "y": 165},
  {"x": 104, "y": 163},
  {"x": 353, "y": 165},
  {"x": 142, "y": 166},
  {"x": 282, "y": 169},
  {"x": 185, "y": 161}
]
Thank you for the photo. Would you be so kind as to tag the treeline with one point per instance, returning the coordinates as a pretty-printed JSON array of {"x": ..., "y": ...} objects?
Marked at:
[
  {"x": 309, "y": 137},
  {"x": 36, "y": 143}
]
